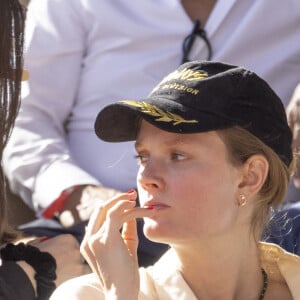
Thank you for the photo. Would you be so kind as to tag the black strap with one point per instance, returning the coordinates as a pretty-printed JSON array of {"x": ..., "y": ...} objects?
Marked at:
[{"x": 42, "y": 262}]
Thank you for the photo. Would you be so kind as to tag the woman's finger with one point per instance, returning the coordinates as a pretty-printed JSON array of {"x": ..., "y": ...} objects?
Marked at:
[
  {"x": 99, "y": 215},
  {"x": 96, "y": 228},
  {"x": 88, "y": 255},
  {"x": 112, "y": 224},
  {"x": 130, "y": 237}
]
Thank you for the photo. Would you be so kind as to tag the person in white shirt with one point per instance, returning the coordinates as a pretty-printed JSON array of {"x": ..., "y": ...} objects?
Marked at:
[{"x": 83, "y": 53}]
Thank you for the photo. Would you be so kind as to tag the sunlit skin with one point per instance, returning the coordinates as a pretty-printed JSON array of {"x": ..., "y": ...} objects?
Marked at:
[
  {"x": 188, "y": 191},
  {"x": 191, "y": 187},
  {"x": 189, "y": 183}
]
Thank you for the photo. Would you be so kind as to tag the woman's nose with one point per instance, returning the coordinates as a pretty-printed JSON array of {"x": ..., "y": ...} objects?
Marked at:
[{"x": 150, "y": 176}]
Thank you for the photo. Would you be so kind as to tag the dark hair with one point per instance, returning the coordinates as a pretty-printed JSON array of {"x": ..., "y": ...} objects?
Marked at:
[
  {"x": 12, "y": 16},
  {"x": 241, "y": 144}
]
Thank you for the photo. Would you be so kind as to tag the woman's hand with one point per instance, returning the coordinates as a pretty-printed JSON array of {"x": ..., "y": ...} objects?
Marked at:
[{"x": 113, "y": 255}]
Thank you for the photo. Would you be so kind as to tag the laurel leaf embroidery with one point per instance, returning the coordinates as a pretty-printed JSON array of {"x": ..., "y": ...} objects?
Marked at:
[{"x": 155, "y": 111}]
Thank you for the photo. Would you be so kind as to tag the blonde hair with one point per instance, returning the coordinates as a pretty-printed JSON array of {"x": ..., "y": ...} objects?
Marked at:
[{"x": 241, "y": 145}]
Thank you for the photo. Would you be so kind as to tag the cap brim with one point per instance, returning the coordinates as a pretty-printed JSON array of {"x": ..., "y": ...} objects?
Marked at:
[
  {"x": 120, "y": 122},
  {"x": 117, "y": 123}
]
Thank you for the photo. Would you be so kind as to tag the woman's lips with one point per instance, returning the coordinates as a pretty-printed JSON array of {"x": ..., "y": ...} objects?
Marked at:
[{"x": 155, "y": 205}]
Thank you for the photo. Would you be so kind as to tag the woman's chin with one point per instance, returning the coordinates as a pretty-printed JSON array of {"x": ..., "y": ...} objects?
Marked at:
[{"x": 154, "y": 231}]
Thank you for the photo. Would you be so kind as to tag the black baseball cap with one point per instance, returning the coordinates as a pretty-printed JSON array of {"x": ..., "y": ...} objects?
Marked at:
[{"x": 203, "y": 96}]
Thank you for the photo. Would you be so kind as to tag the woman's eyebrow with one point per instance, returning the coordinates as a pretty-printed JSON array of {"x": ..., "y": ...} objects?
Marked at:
[{"x": 170, "y": 142}]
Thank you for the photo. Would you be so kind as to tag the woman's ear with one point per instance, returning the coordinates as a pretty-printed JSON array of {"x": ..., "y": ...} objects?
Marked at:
[{"x": 254, "y": 174}]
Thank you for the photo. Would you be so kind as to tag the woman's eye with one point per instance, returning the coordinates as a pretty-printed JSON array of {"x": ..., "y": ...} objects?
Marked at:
[
  {"x": 141, "y": 158},
  {"x": 177, "y": 156}
]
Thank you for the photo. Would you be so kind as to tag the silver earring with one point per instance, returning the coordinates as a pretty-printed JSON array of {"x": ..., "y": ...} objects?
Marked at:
[{"x": 242, "y": 200}]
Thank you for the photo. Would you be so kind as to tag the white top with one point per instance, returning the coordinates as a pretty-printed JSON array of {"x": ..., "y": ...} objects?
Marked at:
[
  {"x": 84, "y": 54},
  {"x": 163, "y": 281}
]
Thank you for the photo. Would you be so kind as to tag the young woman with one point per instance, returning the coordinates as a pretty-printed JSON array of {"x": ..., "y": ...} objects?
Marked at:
[{"x": 214, "y": 152}]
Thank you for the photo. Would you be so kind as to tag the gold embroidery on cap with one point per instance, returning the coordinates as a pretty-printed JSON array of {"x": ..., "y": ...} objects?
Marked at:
[
  {"x": 186, "y": 75},
  {"x": 161, "y": 115},
  {"x": 181, "y": 87}
]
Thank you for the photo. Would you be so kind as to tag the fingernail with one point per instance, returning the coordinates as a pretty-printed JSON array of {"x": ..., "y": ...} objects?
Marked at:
[
  {"x": 149, "y": 207},
  {"x": 130, "y": 191},
  {"x": 45, "y": 239}
]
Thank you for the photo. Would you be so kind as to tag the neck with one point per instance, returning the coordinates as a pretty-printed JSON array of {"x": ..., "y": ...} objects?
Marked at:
[
  {"x": 199, "y": 10},
  {"x": 216, "y": 270}
]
